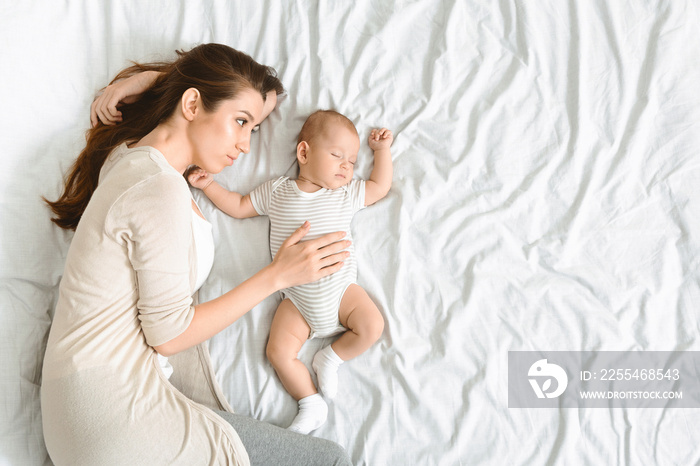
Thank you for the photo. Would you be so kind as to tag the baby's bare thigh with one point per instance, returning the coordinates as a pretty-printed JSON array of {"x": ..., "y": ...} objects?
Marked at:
[
  {"x": 289, "y": 328},
  {"x": 356, "y": 303}
]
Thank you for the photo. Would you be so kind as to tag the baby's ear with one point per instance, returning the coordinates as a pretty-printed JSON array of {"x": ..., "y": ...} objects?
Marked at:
[{"x": 302, "y": 152}]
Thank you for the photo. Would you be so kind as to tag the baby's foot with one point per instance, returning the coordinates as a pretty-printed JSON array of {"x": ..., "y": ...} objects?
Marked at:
[
  {"x": 326, "y": 364},
  {"x": 313, "y": 412}
]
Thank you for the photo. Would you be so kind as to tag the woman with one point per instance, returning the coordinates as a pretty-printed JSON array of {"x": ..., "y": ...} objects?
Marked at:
[{"x": 134, "y": 263}]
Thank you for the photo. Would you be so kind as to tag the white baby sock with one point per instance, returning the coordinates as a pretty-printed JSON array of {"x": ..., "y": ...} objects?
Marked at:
[
  {"x": 313, "y": 412},
  {"x": 326, "y": 364}
]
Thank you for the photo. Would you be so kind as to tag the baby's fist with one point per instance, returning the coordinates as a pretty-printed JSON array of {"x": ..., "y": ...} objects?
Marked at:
[
  {"x": 199, "y": 178},
  {"x": 380, "y": 139}
]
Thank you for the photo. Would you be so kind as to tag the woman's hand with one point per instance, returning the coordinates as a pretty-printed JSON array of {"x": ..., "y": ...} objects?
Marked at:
[
  {"x": 298, "y": 262},
  {"x": 104, "y": 107}
]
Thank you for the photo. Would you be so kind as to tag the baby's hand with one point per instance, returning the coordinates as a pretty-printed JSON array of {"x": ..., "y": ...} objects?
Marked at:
[
  {"x": 380, "y": 139},
  {"x": 199, "y": 178}
]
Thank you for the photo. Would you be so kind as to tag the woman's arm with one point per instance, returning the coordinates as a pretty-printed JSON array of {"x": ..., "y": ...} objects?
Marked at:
[
  {"x": 295, "y": 263},
  {"x": 104, "y": 107}
]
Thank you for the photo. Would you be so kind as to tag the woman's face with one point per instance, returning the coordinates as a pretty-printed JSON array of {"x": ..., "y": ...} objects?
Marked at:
[{"x": 219, "y": 137}]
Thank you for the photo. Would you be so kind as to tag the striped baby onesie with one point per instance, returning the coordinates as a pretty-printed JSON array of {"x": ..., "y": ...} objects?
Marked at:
[{"x": 327, "y": 211}]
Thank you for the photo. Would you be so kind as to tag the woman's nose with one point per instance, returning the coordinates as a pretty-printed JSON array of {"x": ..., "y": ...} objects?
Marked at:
[{"x": 244, "y": 145}]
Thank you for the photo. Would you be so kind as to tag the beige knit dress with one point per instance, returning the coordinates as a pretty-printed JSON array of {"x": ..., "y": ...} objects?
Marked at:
[{"x": 127, "y": 287}]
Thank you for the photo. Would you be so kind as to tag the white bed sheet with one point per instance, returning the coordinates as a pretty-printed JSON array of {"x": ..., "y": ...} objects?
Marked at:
[{"x": 545, "y": 197}]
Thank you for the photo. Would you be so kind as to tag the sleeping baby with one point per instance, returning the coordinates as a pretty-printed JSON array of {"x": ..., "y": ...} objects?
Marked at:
[{"x": 326, "y": 196}]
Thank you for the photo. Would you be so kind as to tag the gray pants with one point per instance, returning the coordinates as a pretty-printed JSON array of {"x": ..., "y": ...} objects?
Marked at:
[{"x": 269, "y": 445}]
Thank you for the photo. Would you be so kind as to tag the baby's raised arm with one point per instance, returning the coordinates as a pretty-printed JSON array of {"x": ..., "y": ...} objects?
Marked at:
[
  {"x": 379, "y": 181},
  {"x": 231, "y": 203}
]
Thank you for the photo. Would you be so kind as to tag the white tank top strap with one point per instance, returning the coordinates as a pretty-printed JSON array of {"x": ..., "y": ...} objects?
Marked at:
[{"x": 203, "y": 245}]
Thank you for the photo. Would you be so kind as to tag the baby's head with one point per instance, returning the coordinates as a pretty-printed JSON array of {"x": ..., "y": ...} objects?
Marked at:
[{"x": 327, "y": 149}]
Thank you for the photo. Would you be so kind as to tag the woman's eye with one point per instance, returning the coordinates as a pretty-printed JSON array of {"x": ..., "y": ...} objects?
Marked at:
[
  {"x": 241, "y": 121},
  {"x": 335, "y": 155},
  {"x": 256, "y": 128}
]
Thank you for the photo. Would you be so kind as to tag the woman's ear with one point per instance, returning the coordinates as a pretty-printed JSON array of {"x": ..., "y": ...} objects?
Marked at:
[
  {"x": 302, "y": 152},
  {"x": 190, "y": 103}
]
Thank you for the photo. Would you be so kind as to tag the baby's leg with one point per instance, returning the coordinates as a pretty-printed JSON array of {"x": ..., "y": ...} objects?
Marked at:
[
  {"x": 288, "y": 333},
  {"x": 364, "y": 322},
  {"x": 365, "y": 325}
]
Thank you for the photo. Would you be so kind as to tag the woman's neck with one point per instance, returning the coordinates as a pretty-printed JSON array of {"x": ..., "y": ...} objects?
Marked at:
[{"x": 168, "y": 142}]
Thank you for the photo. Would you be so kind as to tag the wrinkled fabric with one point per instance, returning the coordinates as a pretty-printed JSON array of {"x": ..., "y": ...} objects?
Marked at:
[{"x": 544, "y": 198}]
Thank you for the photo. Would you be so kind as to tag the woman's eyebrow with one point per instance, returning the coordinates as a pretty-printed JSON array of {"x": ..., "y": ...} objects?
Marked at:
[{"x": 250, "y": 115}]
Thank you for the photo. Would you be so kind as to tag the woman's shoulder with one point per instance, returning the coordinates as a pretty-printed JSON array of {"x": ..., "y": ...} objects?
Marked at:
[
  {"x": 130, "y": 168},
  {"x": 161, "y": 200},
  {"x": 140, "y": 179},
  {"x": 144, "y": 160}
]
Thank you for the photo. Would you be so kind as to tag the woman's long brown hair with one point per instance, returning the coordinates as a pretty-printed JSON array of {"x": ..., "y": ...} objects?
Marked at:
[{"x": 219, "y": 72}]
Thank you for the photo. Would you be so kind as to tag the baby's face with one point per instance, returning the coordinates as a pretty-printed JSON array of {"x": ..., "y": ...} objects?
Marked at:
[{"x": 331, "y": 158}]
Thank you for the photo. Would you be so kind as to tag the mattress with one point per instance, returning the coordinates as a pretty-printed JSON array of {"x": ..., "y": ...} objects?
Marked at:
[{"x": 545, "y": 198}]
